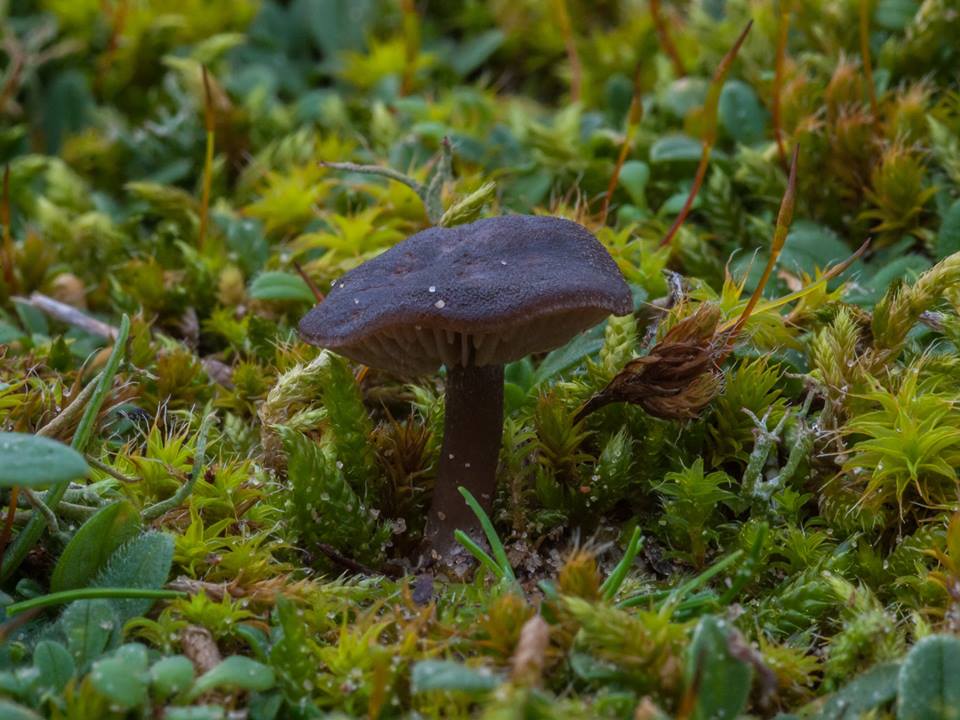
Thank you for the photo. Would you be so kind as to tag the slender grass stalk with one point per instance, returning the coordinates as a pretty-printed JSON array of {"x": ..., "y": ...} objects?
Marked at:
[
  {"x": 634, "y": 116},
  {"x": 784, "y": 218},
  {"x": 678, "y": 594},
  {"x": 746, "y": 571},
  {"x": 479, "y": 553},
  {"x": 31, "y": 533},
  {"x": 8, "y": 259},
  {"x": 88, "y": 421},
  {"x": 783, "y": 29},
  {"x": 710, "y": 109},
  {"x": 495, "y": 545},
  {"x": 865, "y": 57},
  {"x": 386, "y": 172},
  {"x": 209, "y": 122},
  {"x": 49, "y": 517},
  {"x": 833, "y": 272},
  {"x": 411, "y": 39},
  {"x": 118, "y": 22},
  {"x": 612, "y": 584},
  {"x": 672, "y": 599},
  {"x": 8, "y": 521},
  {"x": 666, "y": 42},
  {"x": 569, "y": 42},
  {"x": 317, "y": 295},
  {"x": 72, "y": 412},
  {"x": 68, "y": 596}
]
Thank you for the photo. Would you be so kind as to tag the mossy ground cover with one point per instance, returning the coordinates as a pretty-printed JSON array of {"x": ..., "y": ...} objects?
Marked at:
[{"x": 203, "y": 516}]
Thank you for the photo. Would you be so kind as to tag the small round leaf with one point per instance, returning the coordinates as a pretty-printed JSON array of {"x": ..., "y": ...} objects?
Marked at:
[{"x": 34, "y": 461}]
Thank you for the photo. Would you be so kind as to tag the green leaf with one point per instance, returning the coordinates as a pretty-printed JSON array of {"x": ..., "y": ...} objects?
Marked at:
[
  {"x": 337, "y": 25},
  {"x": 475, "y": 51},
  {"x": 93, "y": 544},
  {"x": 122, "y": 682},
  {"x": 143, "y": 562},
  {"x": 12, "y": 711},
  {"x": 741, "y": 114},
  {"x": 895, "y": 15},
  {"x": 685, "y": 95},
  {"x": 195, "y": 712},
  {"x": 907, "y": 266},
  {"x": 582, "y": 346},
  {"x": 928, "y": 687},
  {"x": 68, "y": 105},
  {"x": 874, "y": 688},
  {"x": 34, "y": 461},
  {"x": 236, "y": 671},
  {"x": 676, "y": 148},
  {"x": 245, "y": 237},
  {"x": 451, "y": 676},
  {"x": 948, "y": 237},
  {"x": 54, "y": 665},
  {"x": 634, "y": 176},
  {"x": 280, "y": 286},
  {"x": 33, "y": 321},
  {"x": 171, "y": 675},
  {"x": 724, "y": 680},
  {"x": 91, "y": 627}
]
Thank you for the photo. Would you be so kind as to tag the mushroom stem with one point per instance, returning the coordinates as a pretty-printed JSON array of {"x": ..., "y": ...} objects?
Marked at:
[{"x": 473, "y": 427}]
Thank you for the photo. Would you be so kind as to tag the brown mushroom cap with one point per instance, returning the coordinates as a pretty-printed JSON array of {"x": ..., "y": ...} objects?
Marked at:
[{"x": 485, "y": 293}]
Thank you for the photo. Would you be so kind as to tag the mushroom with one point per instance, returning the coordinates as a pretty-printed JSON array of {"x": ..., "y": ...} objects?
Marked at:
[{"x": 471, "y": 297}]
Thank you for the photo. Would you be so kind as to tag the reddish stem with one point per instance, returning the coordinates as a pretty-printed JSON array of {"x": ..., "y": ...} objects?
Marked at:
[
  {"x": 573, "y": 57},
  {"x": 666, "y": 43},
  {"x": 710, "y": 108},
  {"x": 782, "y": 30},
  {"x": 8, "y": 522},
  {"x": 634, "y": 116},
  {"x": 8, "y": 259},
  {"x": 865, "y": 56}
]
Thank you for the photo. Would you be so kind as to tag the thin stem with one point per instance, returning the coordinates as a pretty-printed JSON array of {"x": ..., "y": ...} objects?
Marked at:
[
  {"x": 49, "y": 517},
  {"x": 67, "y": 596},
  {"x": 70, "y": 315},
  {"x": 318, "y": 296},
  {"x": 8, "y": 259},
  {"x": 71, "y": 412},
  {"x": 499, "y": 552},
  {"x": 677, "y": 595},
  {"x": 480, "y": 554},
  {"x": 210, "y": 125},
  {"x": 87, "y": 423},
  {"x": 377, "y": 170},
  {"x": 783, "y": 28},
  {"x": 691, "y": 196},
  {"x": 784, "y": 218},
  {"x": 569, "y": 42},
  {"x": 612, "y": 584},
  {"x": 66, "y": 510},
  {"x": 8, "y": 521},
  {"x": 865, "y": 57},
  {"x": 411, "y": 39},
  {"x": 634, "y": 115},
  {"x": 117, "y": 24},
  {"x": 666, "y": 43},
  {"x": 711, "y": 106},
  {"x": 109, "y": 470}
]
